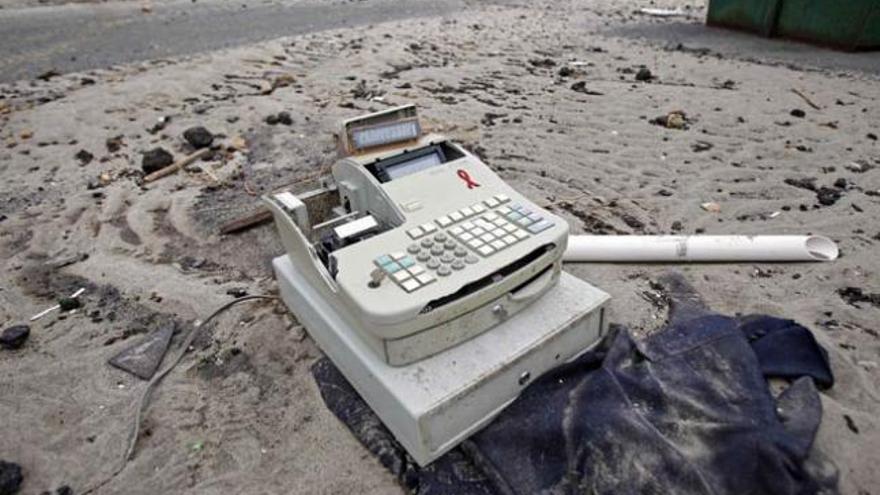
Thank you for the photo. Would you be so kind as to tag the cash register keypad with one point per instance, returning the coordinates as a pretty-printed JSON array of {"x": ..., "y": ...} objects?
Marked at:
[
  {"x": 404, "y": 271},
  {"x": 484, "y": 228}
]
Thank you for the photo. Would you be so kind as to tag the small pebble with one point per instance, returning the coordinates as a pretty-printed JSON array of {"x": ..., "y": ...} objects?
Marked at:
[{"x": 14, "y": 337}]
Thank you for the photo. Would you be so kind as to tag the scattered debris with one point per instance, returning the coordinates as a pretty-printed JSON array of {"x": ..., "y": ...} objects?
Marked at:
[
  {"x": 155, "y": 160},
  {"x": 69, "y": 303},
  {"x": 662, "y": 12},
  {"x": 364, "y": 92},
  {"x": 280, "y": 118},
  {"x": 700, "y": 146},
  {"x": 806, "y": 98},
  {"x": 160, "y": 124},
  {"x": 13, "y": 338},
  {"x": 114, "y": 143},
  {"x": 275, "y": 81},
  {"x": 170, "y": 169},
  {"x": 144, "y": 358},
  {"x": 237, "y": 292},
  {"x": 581, "y": 87},
  {"x": 57, "y": 306},
  {"x": 859, "y": 166},
  {"x": 84, "y": 157},
  {"x": 851, "y": 424},
  {"x": 855, "y": 295},
  {"x": 828, "y": 196},
  {"x": 545, "y": 63},
  {"x": 49, "y": 74},
  {"x": 10, "y": 477},
  {"x": 808, "y": 183},
  {"x": 247, "y": 221},
  {"x": 68, "y": 260},
  {"x": 236, "y": 143},
  {"x": 675, "y": 119},
  {"x": 198, "y": 137},
  {"x": 711, "y": 207},
  {"x": 644, "y": 75}
]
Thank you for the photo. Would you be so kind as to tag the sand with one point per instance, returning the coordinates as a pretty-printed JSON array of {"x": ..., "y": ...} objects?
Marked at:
[{"x": 241, "y": 413}]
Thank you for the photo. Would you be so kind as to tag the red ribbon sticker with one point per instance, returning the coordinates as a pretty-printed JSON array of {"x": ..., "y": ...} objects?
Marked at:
[{"x": 466, "y": 177}]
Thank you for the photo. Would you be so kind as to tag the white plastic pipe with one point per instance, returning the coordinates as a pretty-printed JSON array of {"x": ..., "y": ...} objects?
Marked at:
[{"x": 700, "y": 248}]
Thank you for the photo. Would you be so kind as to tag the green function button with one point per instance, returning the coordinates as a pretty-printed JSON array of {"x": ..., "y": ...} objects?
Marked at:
[{"x": 391, "y": 267}]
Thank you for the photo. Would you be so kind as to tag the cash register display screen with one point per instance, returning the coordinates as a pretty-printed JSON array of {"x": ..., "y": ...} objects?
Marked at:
[{"x": 413, "y": 165}]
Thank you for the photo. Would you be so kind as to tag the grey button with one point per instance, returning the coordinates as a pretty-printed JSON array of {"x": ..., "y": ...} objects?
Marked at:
[
  {"x": 427, "y": 243},
  {"x": 441, "y": 237},
  {"x": 443, "y": 271},
  {"x": 413, "y": 248},
  {"x": 446, "y": 258},
  {"x": 423, "y": 256},
  {"x": 471, "y": 259},
  {"x": 432, "y": 263},
  {"x": 437, "y": 250},
  {"x": 461, "y": 252},
  {"x": 457, "y": 265},
  {"x": 450, "y": 245}
]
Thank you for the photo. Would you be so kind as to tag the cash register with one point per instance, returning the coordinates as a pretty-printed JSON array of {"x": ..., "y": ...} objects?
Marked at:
[{"x": 436, "y": 288}]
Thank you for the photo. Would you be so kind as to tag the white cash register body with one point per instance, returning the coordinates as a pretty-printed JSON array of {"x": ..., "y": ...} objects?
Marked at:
[{"x": 424, "y": 251}]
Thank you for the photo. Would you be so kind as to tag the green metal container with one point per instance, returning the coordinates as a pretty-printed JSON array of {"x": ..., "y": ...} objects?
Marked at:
[{"x": 845, "y": 24}]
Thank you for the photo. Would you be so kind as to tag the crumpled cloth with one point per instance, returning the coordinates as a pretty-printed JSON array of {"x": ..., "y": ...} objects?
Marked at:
[{"x": 686, "y": 410}]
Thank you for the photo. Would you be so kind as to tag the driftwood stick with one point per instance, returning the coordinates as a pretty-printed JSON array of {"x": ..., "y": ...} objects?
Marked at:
[
  {"x": 179, "y": 164},
  {"x": 806, "y": 99},
  {"x": 255, "y": 217}
]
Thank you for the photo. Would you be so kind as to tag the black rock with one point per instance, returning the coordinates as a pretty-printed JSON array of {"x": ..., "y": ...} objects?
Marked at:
[
  {"x": 543, "y": 62},
  {"x": 676, "y": 226},
  {"x": 237, "y": 292},
  {"x": 855, "y": 295},
  {"x": 632, "y": 221},
  {"x": 114, "y": 143},
  {"x": 285, "y": 118},
  {"x": 64, "y": 490},
  {"x": 156, "y": 159},
  {"x": 10, "y": 478},
  {"x": 827, "y": 196},
  {"x": 69, "y": 303},
  {"x": 581, "y": 87},
  {"x": 13, "y": 338},
  {"x": 644, "y": 75},
  {"x": 272, "y": 119},
  {"x": 49, "y": 74},
  {"x": 84, "y": 157},
  {"x": 797, "y": 112},
  {"x": 566, "y": 71},
  {"x": 808, "y": 183},
  {"x": 872, "y": 136},
  {"x": 840, "y": 183},
  {"x": 198, "y": 137}
]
